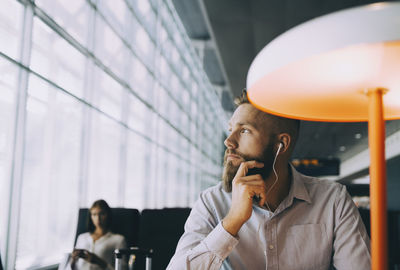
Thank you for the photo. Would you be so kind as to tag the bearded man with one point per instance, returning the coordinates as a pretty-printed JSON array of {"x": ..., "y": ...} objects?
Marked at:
[{"x": 265, "y": 214}]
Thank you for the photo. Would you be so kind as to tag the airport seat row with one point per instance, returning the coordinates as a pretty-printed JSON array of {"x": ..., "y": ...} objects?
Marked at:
[{"x": 158, "y": 229}]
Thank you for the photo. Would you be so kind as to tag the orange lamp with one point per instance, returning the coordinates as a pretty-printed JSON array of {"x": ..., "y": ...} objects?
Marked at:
[{"x": 341, "y": 67}]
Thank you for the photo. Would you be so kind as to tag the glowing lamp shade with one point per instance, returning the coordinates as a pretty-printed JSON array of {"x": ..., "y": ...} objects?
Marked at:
[
  {"x": 341, "y": 67},
  {"x": 322, "y": 69}
]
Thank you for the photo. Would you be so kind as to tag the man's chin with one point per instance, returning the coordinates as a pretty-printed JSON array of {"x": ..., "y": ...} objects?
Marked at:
[{"x": 229, "y": 173}]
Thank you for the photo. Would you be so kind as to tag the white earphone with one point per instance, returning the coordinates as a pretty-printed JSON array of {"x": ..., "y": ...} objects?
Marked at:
[{"x": 279, "y": 148}]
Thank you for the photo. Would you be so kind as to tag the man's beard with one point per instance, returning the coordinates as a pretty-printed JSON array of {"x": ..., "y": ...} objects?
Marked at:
[{"x": 229, "y": 172}]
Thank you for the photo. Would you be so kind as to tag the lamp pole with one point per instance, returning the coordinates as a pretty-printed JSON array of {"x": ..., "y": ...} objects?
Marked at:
[{"x": 376, "y": 131}]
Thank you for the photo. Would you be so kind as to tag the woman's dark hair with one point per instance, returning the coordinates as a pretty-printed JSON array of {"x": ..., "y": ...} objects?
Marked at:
[{"x": 102, "y": 204}]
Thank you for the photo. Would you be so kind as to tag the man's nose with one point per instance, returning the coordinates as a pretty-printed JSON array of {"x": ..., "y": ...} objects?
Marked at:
[{"x": 230, "y": 142}]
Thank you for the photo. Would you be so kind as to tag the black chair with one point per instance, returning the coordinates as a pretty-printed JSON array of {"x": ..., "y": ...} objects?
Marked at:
[
  {"x": 393, "y": 221},
  {"x": 160, "y": 230},
  {"x": 394, "y": 239},
  {"x": 125, "y": 221},
  {"x": 365, "y": 216}
]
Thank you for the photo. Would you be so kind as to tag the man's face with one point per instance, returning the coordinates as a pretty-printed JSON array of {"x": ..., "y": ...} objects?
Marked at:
[{"x": 250, "y": 139}]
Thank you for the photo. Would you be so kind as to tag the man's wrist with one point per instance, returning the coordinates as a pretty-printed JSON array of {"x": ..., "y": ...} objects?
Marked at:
[{"x": 231, "y": 226}]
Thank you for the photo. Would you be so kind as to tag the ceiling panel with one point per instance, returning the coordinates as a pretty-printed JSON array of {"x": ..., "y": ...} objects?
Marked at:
[{"x": 241, "y": 28}]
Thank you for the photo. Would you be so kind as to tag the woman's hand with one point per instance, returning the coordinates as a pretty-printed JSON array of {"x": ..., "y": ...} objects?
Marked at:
[
  {"x": 75, "y": 256},
  {"x": 89, "y": 257},
  {"x": 75, "y": 253}
]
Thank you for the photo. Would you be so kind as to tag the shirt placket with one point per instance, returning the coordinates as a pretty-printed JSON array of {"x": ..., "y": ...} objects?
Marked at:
[
  {"x": 271, "y": 248},
  {"x": 92, "y": 247}
]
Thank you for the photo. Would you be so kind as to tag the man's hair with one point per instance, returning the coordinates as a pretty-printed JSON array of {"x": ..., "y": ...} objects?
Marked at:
[
  {"x": 242, "y": 99},
  {"x": 103, "y": 205},
  {"x": 282, "y": 124}
]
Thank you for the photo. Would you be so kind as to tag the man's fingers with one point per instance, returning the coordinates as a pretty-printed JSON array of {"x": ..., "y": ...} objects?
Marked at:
[
  {"x": 252, "y": 178},
  {"x": 253, "y": 189},
  {"x": 246, "y": 165},
  {"x": 260, "y": 194},
  {"x": 254, "y": 164},
  {"x": 251, "y": 184},
  {"x": 263, "y": 199}
]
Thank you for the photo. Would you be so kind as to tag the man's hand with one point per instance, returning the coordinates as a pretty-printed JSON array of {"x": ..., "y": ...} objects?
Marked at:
[{"x": 244, "y": 188}]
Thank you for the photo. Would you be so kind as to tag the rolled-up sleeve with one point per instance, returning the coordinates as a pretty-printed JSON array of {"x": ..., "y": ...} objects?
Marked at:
[
  {"x": 351, "y": 242},
  {"x": 205, "y": 243}
]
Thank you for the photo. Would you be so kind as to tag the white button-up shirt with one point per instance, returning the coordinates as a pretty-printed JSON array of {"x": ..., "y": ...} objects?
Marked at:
[
  {"x": 317, "y": 226},
  {"x": 103, "y": 247}
]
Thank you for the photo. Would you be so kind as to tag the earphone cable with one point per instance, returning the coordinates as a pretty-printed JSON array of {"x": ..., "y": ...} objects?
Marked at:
[{"x": 276, "y": 177}]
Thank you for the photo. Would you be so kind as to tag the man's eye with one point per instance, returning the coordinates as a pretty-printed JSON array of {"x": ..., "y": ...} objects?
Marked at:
[{"x": 244, "y": 130}]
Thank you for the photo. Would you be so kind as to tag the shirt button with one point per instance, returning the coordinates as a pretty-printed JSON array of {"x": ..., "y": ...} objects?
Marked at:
[{"x": 271, "y": 247}]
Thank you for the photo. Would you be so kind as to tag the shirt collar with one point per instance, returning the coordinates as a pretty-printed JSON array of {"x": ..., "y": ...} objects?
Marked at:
[
  {"x": 298, "y": 189},
  {"x": 104, "y": 236}
]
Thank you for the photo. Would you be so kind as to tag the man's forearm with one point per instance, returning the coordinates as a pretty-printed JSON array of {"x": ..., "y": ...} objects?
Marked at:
[{"x": 208, "y": 254}]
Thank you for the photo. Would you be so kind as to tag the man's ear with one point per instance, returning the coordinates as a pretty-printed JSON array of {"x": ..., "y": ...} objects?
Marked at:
[{"x": 285, "y": 139}]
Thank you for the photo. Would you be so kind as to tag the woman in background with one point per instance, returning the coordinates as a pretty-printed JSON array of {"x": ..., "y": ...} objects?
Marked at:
[{"x": 95, "y": 249}]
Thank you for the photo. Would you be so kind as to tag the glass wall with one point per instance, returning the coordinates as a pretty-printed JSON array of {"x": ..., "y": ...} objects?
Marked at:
[{"x": 98, "y": 99}]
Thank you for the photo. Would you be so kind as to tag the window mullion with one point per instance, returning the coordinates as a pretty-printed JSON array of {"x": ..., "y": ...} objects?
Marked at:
[{"x": 19, "y": 142}]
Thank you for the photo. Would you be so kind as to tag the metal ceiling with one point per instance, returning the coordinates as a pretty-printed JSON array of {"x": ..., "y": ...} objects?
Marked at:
[{"x": 228, "y": 35}]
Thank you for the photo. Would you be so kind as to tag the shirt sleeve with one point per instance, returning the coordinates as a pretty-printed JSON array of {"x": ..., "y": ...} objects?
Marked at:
[
  {"x": 80, "y": 242},
  {"x": 205, "y": 243},
  {"x": 351, "y": 242}
]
